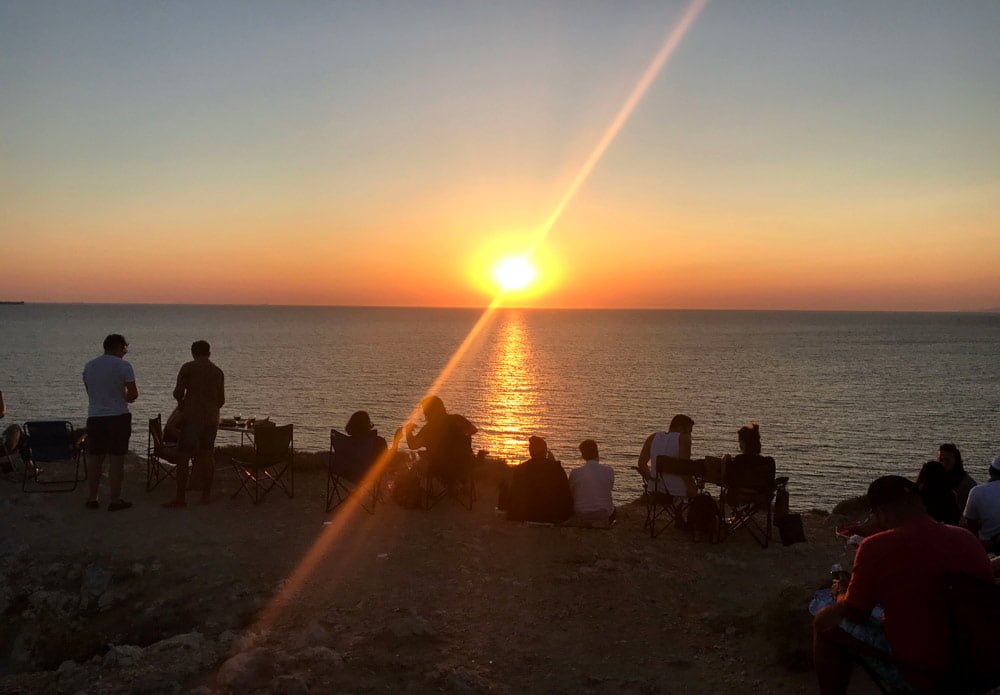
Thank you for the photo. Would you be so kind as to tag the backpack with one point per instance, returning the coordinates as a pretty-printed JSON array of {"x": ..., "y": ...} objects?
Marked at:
[
  {"x": 703, "y": 516},
  {"x": 406, "y": 490},
  {"x": 790, "y": 529}
]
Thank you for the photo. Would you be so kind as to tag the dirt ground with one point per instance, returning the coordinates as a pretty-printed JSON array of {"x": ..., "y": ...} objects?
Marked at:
[{"x": 445, "y": 600}]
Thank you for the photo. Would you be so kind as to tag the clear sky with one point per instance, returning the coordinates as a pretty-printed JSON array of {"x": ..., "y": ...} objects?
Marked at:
[{"x": 828, "y": 155}]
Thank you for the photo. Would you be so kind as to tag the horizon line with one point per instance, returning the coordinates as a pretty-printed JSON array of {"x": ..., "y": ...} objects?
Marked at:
[{"x": 472, "y": 307}]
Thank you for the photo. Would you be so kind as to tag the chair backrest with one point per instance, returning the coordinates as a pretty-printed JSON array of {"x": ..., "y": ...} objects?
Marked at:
[
  {"x": 51, "y": 440},
  {"x": 156, "y": 430},
  {"x": 752, "y": 473},
  {"x": 272, "y": 444},
  {"x": 671, "y": 465},
  {"x": 974, "y": 613},
  {"x": 353, "y": 455}
]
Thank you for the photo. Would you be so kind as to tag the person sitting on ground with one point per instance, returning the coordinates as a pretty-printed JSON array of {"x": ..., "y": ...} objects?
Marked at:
[
  {"x": 539, "y": 488},
  {"x": 676, "y": 442},
  {"x": 446, "y": 439},
  {"x": 10, "y": 441},
  {"x": 938, "y": 497},
  {"x": 355, "y": 454},
  {"x": 958, "y": 480},
  {"x": 591, "y": 485},
  {"x": 982, "y": 511},
  {"x": 900, "y": 569}
]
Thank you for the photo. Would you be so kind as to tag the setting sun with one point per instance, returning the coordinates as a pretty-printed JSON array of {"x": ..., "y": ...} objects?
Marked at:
[{"x": 515, "y": 273}]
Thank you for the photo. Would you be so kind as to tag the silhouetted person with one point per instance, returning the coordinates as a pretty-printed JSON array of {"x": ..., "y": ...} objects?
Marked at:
[
  {"x": 591, "y": 485},
  {"x": 901, "y": 569},
  {"x": 539, "y": 488},
  {"x": 446, "y": 439},
  {"x": 110, "y": 384},
  {"x": 676, "y": 443},
  {"x": 958, "y": 480},
  {"x": 200, "y": 393},
  {"x": 10, "y": 441},
  {"x": 982, "y": 512},
  {"x": 355, "y": 454},
  {"x": 935, "y": 491}
]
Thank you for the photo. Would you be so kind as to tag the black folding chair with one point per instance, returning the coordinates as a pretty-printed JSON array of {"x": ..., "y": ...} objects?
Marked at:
[
  {"x": 659, "y": 502},
  {"x": 272, "y": 464},
  {"x": 748, "y": 493},
  {"x": 54, "y": 443},
  {"x": 455, "y": 479},
  {"x": 349, "y": 466},
  {"x": 161, "y": 458}
]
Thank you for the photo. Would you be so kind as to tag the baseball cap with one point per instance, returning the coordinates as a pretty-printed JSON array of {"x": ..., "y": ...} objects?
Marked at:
[{"x": 995, "y": 466}]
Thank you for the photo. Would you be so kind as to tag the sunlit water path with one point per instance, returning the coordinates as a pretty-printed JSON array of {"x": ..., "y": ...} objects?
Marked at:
[{"x": 840, "y": 397}]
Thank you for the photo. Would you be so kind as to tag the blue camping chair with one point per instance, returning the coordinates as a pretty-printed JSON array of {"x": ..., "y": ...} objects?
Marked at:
[{"x": 54, "y": 443}]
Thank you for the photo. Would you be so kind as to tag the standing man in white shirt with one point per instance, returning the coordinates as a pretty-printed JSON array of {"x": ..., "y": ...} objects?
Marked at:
[
  {"x": 591, "y": 484},
  {"x": 110, "y": 384}
]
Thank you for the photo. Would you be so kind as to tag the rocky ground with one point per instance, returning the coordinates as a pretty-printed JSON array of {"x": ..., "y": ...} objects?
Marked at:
[{"x": 283, "y": 598}]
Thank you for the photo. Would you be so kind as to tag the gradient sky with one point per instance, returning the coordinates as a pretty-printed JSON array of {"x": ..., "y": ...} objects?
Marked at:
[{"x": 827, "y": 155}]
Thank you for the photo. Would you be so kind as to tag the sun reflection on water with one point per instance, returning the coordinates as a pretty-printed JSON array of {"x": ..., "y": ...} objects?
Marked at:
[{"x": 512, "y": 402}]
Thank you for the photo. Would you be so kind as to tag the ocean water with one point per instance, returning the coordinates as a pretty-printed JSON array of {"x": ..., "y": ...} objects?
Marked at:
[{"x": 840, "y": 397}]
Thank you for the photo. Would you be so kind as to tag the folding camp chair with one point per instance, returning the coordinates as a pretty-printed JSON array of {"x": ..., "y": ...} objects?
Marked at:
[
  {"x": 52, "y": 442},
  {"x": 457, "y": 481},
  {"x": 349, "y": 467},
  {"x": 273, "y": 459},
  {"x": 161, "y": 458},
  {"x": 659, "y": 502},
  {"x": 973, "y": 609},
  {"x": 748, "y": 492}
]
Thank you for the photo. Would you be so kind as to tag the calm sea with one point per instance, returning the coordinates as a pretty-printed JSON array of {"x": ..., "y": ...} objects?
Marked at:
[{"x": 840, "y": 397}]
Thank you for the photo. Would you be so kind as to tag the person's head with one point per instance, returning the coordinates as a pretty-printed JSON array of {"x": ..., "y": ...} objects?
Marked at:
[
  {"x": 537, "y": 447},
  {"x": 359, "y": 424},
  {"x": 893, "y": 499},
  {"x": 681, "y": 423},
  {"x": 588, "y": 450},
  {"x": 950, "y": 457},
  {"x": 115, "y": 344},
  {"x": 201, "y": 348},
  {"x": 749, "y": 436},
  {"x": 995, "y": 469},
  {"x": 932, "y": 477},
  {"x": 433, "y": 407}
]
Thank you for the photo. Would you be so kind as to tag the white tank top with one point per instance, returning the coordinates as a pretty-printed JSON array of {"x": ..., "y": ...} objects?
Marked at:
[{"x": 667, "y": 444}]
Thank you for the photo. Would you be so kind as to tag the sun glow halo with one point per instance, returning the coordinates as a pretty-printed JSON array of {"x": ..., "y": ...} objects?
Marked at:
[{"x": 515, "y": 273}]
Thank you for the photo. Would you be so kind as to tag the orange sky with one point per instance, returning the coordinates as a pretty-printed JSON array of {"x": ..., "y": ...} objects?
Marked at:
[{"x": 796, "y": 161}]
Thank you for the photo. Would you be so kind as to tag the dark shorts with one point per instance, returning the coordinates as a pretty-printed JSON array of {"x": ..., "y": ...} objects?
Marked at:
[
  {"x": 197, "y": 437},
  {"x": 109, "y": 435}
]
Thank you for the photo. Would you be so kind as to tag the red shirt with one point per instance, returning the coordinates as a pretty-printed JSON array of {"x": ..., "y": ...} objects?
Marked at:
[{"x": 902, "y": 570}]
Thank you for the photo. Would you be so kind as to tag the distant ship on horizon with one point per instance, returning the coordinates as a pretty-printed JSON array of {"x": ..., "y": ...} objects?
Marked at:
[{"x": 3, "y": 301}]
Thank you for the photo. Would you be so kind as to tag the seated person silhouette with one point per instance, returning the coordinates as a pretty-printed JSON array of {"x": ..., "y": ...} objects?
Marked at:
[
  {"x": 935, "y": 490},
  {"x": 356, "y": 452},
  {"x": 747, "y": 466},
  {"x": 446, "y": 441},
  {"x": 676, "y": 442},
  {"x": 539, "y": 488},
  {"x": 591, "y": 485},
  {"x": 12, "y": 442}
]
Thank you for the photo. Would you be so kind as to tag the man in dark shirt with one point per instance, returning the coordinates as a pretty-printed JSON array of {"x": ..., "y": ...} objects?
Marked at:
[
  {"x": 200, "y": 393},
  {"x": 539, "y": 488}
]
